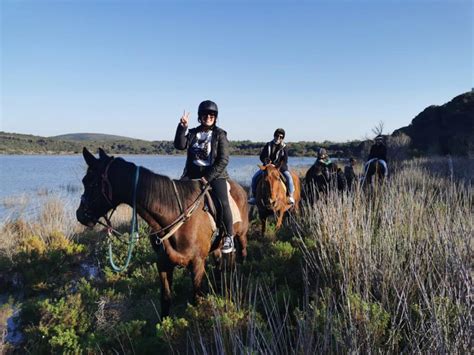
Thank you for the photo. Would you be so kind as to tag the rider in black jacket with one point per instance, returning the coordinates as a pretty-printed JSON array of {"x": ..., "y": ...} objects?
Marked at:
[
  {"x": 378, "y": 150},
  {"x": 207, "y": 158},
  {"x": 275, "y": 152}
]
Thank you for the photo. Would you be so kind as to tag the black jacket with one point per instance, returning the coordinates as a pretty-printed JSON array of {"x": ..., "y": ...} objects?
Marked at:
[
  {"x": 276, "y": 154},
  {"x": 378, "y": 151},
  {"x": 219, "y": 153}
]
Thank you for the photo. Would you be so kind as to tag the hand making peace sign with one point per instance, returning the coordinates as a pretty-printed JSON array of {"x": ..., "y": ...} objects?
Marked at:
[{"x": 184, "y": 119}]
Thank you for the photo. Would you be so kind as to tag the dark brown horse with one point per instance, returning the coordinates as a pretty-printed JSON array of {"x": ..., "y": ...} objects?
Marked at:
[
  {"x": 271, "y": 195},
  {"x": 109, "y": 182},
  {"x": 320, "y": 179}
]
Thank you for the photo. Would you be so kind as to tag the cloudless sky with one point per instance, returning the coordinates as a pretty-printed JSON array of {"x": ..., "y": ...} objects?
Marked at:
[{"x": 323, "y": 70}]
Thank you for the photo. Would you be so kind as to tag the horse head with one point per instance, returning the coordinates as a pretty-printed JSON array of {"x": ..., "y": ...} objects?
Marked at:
[
  {"x": 97, "y": 198},
  {"x": 273, "y": 188}
]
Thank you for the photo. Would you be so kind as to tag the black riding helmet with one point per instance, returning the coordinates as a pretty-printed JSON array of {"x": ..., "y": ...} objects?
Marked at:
[
  {"x": 279, "y": 131},
  {"x": 207, "y": 106}
]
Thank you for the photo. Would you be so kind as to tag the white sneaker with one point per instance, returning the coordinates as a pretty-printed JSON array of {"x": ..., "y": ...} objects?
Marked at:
[
  {"x": 291, "y": 200},
  {"x": 228, "y": 246},
  {"x": 252, "y": 201}
]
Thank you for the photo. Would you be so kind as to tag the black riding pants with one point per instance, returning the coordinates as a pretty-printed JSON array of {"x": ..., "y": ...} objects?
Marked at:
[
  {"x": 219, "y": 190},
  {"x": 219, "y": 193}
]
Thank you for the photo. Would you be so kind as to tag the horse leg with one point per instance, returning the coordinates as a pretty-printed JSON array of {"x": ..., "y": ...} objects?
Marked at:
[
  {"x": 281, "y": 214},
  {"x": 197, "y": 275},
  {"x": 166, "y": 278},
  {"x": 264, "y": 225},
  {"x": 243, "y": 245}
]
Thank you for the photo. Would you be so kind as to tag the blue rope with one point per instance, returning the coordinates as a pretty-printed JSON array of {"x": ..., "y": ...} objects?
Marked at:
[{"x": 133, "y": 230}]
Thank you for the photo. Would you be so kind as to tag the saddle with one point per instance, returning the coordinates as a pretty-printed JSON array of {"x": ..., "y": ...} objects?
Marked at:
[{"x": 214, "y": 216}]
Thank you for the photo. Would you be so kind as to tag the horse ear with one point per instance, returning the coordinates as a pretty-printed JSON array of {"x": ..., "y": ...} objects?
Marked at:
[
  {"x": 89, "y": 158},
  {"x": 102, "y": 154}
]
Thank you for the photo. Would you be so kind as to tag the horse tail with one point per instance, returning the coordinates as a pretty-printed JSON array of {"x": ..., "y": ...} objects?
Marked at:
[{"x": 175, "y": 256}]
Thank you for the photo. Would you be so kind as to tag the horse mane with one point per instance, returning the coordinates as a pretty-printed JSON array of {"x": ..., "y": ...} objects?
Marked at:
[
  {"x": 273, "y": 169},
  {"x": 160, "y": 187}
]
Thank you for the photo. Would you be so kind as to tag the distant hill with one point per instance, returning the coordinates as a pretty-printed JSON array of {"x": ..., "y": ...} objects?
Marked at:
[
  {"x": 446, "y": 129},
  {"x": 90, "y": 137},
  {"x": 14, "y": 143}
]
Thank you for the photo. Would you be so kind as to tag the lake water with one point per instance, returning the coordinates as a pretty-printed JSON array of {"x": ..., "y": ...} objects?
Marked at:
[{"x": 27, "y": 180}]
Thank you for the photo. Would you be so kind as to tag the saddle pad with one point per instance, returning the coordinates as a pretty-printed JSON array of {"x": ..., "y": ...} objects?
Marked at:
[{"x": 236, "y": 217}]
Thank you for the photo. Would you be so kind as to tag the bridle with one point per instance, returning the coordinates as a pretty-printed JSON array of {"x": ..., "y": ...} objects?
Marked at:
[
  {"x": 267, "y": 187},
  {"x": 106, "y": 192},
  {"x": 169, "y": 230}
]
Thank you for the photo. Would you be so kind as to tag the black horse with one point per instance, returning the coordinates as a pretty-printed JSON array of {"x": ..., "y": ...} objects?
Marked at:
[
  {"x": 320, "y": 179},
  {"x": 374, "y": 172},
  {"x": 160, "y": 201}
]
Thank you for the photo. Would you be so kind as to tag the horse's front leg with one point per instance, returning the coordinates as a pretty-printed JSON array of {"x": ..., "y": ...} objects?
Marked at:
[
  {"x": 264, "y": 225},
  {"x": 280, "y": 215},
  {"x": 166, "y": 277}
]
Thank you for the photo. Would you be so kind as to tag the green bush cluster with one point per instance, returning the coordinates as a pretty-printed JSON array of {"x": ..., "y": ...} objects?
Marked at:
[
  {"x": 211, "y": 312},
  {"x": 44, "y": 264}
]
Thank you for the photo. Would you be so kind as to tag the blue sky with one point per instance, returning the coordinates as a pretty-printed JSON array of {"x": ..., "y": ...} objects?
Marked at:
[{"x": 323, "y": 70}]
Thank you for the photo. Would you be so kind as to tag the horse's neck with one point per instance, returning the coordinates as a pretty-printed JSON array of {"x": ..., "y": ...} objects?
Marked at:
[
  {"x": 159, "y": 200},
  {"x": 121, "y": 177}
]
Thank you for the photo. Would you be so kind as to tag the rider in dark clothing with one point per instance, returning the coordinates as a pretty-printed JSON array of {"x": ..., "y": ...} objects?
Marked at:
[
  {"x": 350, "y": 174},
  {"x": 378, "y": 151},
  {"x": 275, "y": 152},
  {"x": 207, "y": 158},
  {"x": 324, "y": 162}
]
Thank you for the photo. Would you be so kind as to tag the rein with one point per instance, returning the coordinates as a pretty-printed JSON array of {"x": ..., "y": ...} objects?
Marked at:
[
  {"x": 181, "y": 219},
  {"x": 185, "y": 214},
  {"x": 133, "y": 236}
]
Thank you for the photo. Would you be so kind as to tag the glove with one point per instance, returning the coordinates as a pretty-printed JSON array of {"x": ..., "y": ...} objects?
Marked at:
[{"x": 204, "y": 183}]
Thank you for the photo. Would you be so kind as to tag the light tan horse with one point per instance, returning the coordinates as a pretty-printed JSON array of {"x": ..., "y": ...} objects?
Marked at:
[{"x": 271, "y": 195}]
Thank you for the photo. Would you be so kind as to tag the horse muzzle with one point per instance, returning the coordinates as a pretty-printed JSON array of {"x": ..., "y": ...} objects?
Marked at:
[{"x": 84, "y": 218}]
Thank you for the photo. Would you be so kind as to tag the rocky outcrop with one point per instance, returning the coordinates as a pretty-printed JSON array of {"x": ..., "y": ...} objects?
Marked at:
[{"x": 446, "y": 129}]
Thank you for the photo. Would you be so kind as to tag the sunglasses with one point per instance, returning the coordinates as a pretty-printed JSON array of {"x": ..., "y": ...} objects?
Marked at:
[
  {"x": 206, "y": 114},
  {"x": 279, "y": 136}
]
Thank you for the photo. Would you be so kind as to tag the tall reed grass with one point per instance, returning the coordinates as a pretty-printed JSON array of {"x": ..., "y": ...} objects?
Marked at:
[{"x": 388, "y": 271}]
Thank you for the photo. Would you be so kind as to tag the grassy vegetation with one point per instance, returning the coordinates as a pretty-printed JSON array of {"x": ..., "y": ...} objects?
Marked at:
[{"x": 389, "y": 272}]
